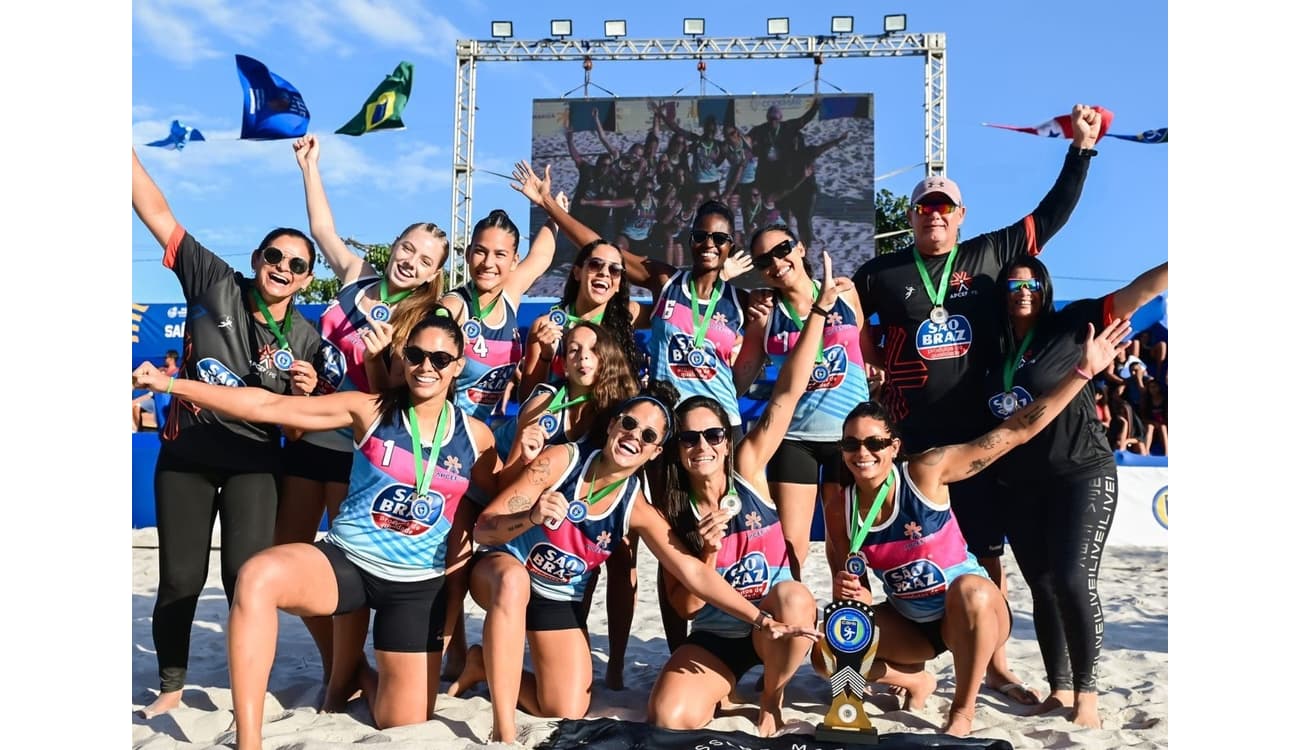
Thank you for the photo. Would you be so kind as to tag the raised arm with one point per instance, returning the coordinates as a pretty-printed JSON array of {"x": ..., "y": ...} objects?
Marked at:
[
  {"x": 149, "y": 203},
  {"x": 808, "y": 116},
  {"x": 345, "y": 264},
  {"x": 1140, "y": 291},
  {"x": 521, "y": 504},
  {"x": 947, "y": 464},
  {"x": 600, "y": 133}
]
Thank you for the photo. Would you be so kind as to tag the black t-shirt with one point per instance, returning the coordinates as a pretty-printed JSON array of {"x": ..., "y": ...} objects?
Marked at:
[
  {"x": 225, "y": 345},
  {"x": 934, "y": 374},
  {"x": 1075, "y": 442}
]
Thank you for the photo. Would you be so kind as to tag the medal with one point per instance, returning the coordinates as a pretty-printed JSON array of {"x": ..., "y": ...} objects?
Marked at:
[
  {"x": 730, "y": 504},
  {"x": 577, "y": 512},
  {"x": 420, "y": 508},
  {"x": 1009, "y": 402},
  {"x": 283, "y": 359},
  {"x": 695, "y": 358},
  {"x": 856, "y": 565},
  {"x": 472, "y": 328},
  {"x": 549, "y": 423},
  {"x": 938, "y": 315},
  {"x": 558, "y": 317},
  {"x": 380, "y": 313},
  {"x": 821, "y": 373}
]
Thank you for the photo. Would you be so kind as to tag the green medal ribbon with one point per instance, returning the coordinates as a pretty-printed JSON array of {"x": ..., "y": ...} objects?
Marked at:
[
  {"x": 860, "y": 532},
  {"x": 731, "y": 491},
  {"x": 936, "y": 297},
  {"x": 423, "y": 480},
  {"x": 558, "y": 403},
  {"x": 604, "y": 492},
  {"x": 702, "y": 325},
  {"x": 572, "y": 314},
  {"x": 473, "y": 305},
  {"x": 1009, "y": 369},
  {"x": 798, "y": 322},
  {"x": 391, "y": 299},
  {"x": 280, "y": 336}
]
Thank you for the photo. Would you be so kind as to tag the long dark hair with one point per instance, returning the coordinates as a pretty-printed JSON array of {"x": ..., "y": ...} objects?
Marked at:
[
  {"x": 618, "y": 314},
  {"x": 1006, "y": 334},
  {"x": 718, "y": 208},
  {"x": 675, "y": 501},
  {"x": 393, "y": 400},
  {"x": 615, "y": 384}
]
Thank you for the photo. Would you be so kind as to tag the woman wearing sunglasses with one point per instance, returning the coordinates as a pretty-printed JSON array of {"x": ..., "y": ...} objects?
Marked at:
[
  {"x": 356, "y": 322},
  {"x": 808, "y": 455},
  {"x": 487, "y": 306},
  {"x": 1058, "y": 491},
  {"x": 401, "y": 529},
  {"x": 716, "y": 499},
  {"x": 895, "y": 521},
  {"x": 241, "y": 332},
  {"x": 546, "y": 532}
]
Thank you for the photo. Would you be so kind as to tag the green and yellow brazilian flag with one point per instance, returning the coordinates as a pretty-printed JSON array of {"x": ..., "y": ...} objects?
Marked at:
[{"x": 383, "y": 108}]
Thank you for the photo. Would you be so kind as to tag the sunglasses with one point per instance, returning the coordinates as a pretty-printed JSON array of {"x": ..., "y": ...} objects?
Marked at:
[
  {"x": 1033, "y": 285},
  {"x": 874, "y": 443},
  {"x": 596, "y": 265},
  {"x": 780, "y": 250},
  {"x": 934, "y": 208},
  {"x": 698, "y": 236},
  {"x": 415, "y": 356},
  {"x": 274, "y": 255},
  {"x": 645, "y": 434},
  {"x": 715, "y": 436}
]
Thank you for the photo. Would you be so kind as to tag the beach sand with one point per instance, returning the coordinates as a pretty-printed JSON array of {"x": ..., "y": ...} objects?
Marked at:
[{"x": 1133, "y": 675}]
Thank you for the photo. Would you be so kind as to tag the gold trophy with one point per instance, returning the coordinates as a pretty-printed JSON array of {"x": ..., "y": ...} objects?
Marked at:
[{"x": 848, "y": 650}]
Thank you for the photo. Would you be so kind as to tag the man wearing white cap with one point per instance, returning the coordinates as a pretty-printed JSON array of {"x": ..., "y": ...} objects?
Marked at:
[{"x": 938, "y": 307}]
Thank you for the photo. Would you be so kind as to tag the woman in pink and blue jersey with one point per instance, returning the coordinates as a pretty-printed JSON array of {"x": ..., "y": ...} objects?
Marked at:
[
  {"x": 808, "y": 455},
  {"x": 896, "y": 521},
  {"x": 402, "y": 529},
  {"x": 316, "y": 466},
  {"x": 546, "y": 533},
  {"x": 716, "y": 499}
]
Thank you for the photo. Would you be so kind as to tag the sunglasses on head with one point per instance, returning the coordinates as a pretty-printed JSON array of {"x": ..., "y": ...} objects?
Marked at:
[
  {"x": 873, "y": 443},
  {"x": 779, "y": 250},
  {"x": 596, "y": 265},
  {"x": 1033, "y": 285},
  {"x": 934, "y": 208},
  {"x": 698, "y": 236},
  {"x": 274, "y": 255},
  {"x": 645, "y": 434},
  {"x": 714, "y": 435},
  {"x": 415, "y": 356}
]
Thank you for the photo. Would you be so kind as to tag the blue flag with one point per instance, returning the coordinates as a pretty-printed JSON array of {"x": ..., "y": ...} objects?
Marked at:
[
  {"x": 178, "y": 137},
  {"x": 273, "y": 108},
  {"x": 1159, "y": 135}
]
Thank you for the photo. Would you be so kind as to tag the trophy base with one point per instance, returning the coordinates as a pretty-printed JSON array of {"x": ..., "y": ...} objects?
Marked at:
[{"x": 833, "y": 735}]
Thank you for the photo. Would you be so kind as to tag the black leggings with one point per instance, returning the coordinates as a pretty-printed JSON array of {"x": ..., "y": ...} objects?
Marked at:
[
  {"x": 1058, "y": 530},
  {"x": 187, "y": 502}
]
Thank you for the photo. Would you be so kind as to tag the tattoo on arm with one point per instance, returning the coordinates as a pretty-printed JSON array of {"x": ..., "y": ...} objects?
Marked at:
[
  {"x": 518, "y": 503},
  {"x": 977, "y": 465},
  {"x": 514, "y": 527},
  {"x": 1033, "y": 414},
  {"x": 990, "y": 441},
  {"x": 538, "y": 471}
]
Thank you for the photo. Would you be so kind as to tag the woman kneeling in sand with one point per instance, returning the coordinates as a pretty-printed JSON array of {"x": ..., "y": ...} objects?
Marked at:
[
  {"x": 938, "y": 597},
  {"x": 546, "y": 533}
]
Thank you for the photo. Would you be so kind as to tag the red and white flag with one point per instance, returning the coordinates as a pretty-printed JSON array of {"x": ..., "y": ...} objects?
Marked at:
[{"x": 1058, "y": 127}]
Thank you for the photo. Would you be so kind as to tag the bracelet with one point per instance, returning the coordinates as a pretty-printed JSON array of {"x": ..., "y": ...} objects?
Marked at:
[
  {"x": 760, "y": 618},
  {"x": 170, "y": 383},
  {"x": 1082, "y": 373},
  {"x": 1075, "y": 150},
  {"x": 819, "y": 311}
]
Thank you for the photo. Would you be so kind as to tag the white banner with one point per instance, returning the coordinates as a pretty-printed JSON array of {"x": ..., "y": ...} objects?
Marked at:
[{"x": 1142, "y": 515}]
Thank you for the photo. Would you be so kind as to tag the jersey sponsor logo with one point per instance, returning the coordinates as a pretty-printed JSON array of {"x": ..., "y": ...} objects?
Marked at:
[
  {"x": 212, "y": 371},
  {"x": 176, "y": 311},
  {"x": 550, "y": 563},
  {"x": 916, "y": 580},
  {"x": 830, "y": 373},
  {"x": 948, "y": 341},
  {"x": 173, "y": 330},
  {"x": 1002, "y": 409},
  {"x": 398, "y": 508},
  {"x": 489, "y": 388},
  {"x": 749, "y": 575},
  {"x": 335, "y": 368},
  {"x": 1160, "y": 507},
  {"x": 685, "y": 361}
]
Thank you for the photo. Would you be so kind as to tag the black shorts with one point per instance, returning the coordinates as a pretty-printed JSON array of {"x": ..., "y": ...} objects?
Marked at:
[
  {"x": 737, "y": 653},
  {"x": 310, "y": 461},
  {"x": 978, "y": 510},
  {"x": 409, "y": 615},
  {"x": 549, "y": 614},
  {"x": 933, "y": 631},
  {"x": 804, "y": 461}
]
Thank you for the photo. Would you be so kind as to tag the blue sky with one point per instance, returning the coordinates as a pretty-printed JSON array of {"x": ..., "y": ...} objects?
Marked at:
[{"x": 1010, "y": 62}]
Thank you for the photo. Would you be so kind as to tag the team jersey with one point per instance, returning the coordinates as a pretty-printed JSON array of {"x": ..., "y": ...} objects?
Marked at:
[
  {"x": 916, "y": 552},
  {"x": 383, "y": 526},
  {"x": 1073, "y": 444},
  {"x": 934, "y": 373},
  {"x": 640, "y": 219},
  {"x": 226, "y": 345},
  {"x": 753, "y": 559},
  {"x": 705, "y": 156},
  {"x": 705, "y": 371},
  {"x": 344, "y": 354},
  {"x": 491, "y": 355},
  {"x": 556, "y": 426},
  {"x": 562, "y": 561},
  {"x": 836, "y": 385}
]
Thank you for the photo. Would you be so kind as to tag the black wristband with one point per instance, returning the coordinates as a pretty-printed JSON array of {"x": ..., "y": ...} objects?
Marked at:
[
  {"x": 819, "y": 311},
  {"x": 1076, "y": 151}
]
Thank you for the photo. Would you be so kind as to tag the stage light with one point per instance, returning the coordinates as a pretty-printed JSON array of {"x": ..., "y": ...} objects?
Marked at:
[
  {"x": 560, "y": 28},
  {"x": 841, "y": 24},
  {"x": 896, "y": 23},
  {"x": 616, "y": 29},
  {"x": 692, "y": 26},
  {"x": 503, "y": 29},
  {"x": 778, "y": 26}
]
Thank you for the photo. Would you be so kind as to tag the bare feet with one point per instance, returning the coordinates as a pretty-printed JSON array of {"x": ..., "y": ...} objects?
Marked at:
[
  {"x": 473, "y": 673},
  {"x": 959, "y": 722},
  {"x": 769, "y": 715},
  {"x": 920, "y": 692},
  {"x": 164, "y": 703},
  {"x": 337, "y": 698},
  {"x": 1085, "y": 711},
  {"x": 1018, "y": 692},
  {"x": 1058, "y": 699}
]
